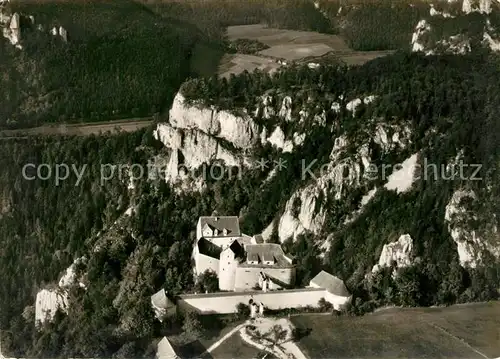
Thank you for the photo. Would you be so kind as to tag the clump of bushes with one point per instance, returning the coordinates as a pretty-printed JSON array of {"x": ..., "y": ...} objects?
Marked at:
[{"x": 246, "y": 46}]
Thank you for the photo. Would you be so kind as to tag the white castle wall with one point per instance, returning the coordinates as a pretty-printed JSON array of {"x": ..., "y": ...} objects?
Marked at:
[{"x": 225, "y": 303}]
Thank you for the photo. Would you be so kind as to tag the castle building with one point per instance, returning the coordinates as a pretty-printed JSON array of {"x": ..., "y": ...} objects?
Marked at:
[{"x": 241, "y": 262}]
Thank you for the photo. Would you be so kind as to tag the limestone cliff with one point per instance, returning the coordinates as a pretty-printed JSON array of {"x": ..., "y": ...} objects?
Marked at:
[
  {"x": 448, "y": 32},
  {"x": 241, "y": 131},
  {"x": 344, "y": 172},
  {"x": 198, "y": 135},
  {"x": 400, "y": 252},
  {"x": 471, "y": 245}
]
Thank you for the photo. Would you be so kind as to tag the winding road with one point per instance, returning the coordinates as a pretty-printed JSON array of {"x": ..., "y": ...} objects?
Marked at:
[{"x": 80, "y": 129}]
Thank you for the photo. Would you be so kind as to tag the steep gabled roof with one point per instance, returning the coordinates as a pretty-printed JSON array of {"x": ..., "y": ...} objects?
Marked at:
[
  {"x": 230, "y": 223},
  {"x": 237, "y": 248},
  {"x": 160, "y": 300},
  {"x": 267, "y": 257},
  {"x": 266, "y": 252},
  {"x": 165, "y": 350},
  {"x": 208, "y": 248},
  {"x": 331, "y": 283}
]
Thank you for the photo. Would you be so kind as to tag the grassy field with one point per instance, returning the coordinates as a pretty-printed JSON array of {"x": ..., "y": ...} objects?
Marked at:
[
  {"x": 237, "y": 63},
  {"x": 273, "y": 37},
  {"x": 290, "y": 45},
  {"x": 235, "y": 347},
  {"x": 471, "y": 331}
]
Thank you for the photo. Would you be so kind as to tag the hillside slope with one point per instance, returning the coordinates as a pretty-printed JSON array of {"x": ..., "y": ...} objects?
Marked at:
[{"x": 116, "y": 60}]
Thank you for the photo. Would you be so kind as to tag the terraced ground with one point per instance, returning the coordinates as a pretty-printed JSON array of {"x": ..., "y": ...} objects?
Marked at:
[{"x": 462, "y": 331}]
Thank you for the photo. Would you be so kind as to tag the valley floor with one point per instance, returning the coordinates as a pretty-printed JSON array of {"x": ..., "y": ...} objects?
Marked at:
[
  {"x": 289, "y": 46},
  {"x": 465, "y": 331},
  {"x": 461, "y": 331},
  {"x": 81, "y": 129}
]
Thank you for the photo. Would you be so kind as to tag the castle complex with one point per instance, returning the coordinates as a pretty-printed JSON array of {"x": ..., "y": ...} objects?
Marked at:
[{"x": 241, "y": 262}]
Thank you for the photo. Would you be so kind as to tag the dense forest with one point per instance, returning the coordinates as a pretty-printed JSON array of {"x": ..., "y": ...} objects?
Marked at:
[
  {"x": 128, "y": 59},
  {"x": 120, "y": 61},
  {"x": 412, "y": 90},
  {"x": 45, "y": 227}
]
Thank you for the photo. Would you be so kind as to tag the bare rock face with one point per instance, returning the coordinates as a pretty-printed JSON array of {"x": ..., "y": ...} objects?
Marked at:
[
  {"x": 344, "y": 172},
  {"x": 332, "y": 178},
  {"x": 241, "y": 131},
  {"x": 70, "y": 278},
  {"x": 189, "y": 117},
  {"x": 277, "y": 139},
  {"x": 471, "y": 246},
  {"x": 190, "y": 150},
  {"x": 286, "y": 109},
  {"x": 391, "y": 137},
  {"x": 13, "y": 31},
  {"x": 399, "y": 252},
  {"x": 308, "y": 219},
  {"x": 199, "y": 135},
  {"x": 48, "y": 301},
  {"x": 196, "y": 146},
  {"x": 353, "y": 104},
  {"x": 468, "y": 6},
  {"x": 63, "y": 33}
]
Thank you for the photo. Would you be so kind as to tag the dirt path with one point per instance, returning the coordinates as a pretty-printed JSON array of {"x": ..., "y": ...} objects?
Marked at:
[
  {"x": 285, "y": 348},
  {"x": 223, "y": 339},
  {"x": 83, "y": 129}
]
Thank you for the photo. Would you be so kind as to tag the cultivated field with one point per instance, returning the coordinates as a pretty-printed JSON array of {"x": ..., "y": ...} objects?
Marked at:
[
  {"x": 234, "y": 347},
  {"x": 237, "y": 63},
  {"x": 289, "y": 45},
  {"x": 468, "y": 331},
  {"x": 273, "y": 37}
]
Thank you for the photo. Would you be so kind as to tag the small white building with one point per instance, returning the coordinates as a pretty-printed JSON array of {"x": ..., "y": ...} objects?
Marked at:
[
  {"x": 165, "y": 350},
  {"x": 335, "y": 290},
  {"x": 160, "y": 304}
]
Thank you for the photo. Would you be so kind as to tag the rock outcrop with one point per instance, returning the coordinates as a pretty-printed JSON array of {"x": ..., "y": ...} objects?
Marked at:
[
  {"x": 70, "y": 278},
  {"x": 48, "y": 301},
  {"x": 277, "y": 139},
  {"x": 192, "y": 148},
  {"x": 12, "y": 32},
  {"x": 63, "y": 33},
  {"x": 461, "y": 40},
  {"x": 198, "y": 135},
  {"x": 402, "y": 178},
  {"x": 241, "y": 131},
  {"x": 286, "y": 109},
  {"x": 421, "y": 30},
  {"x": 308, "y": 219},
  {"x": 459, "y": 217},
  {"x": 354, "y": 104},
  {"x": 400, "y": 252},
  {"x": 343, "y": 172}
]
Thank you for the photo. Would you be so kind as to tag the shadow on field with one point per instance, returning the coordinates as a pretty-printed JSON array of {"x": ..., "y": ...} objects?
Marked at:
[
  {"x": 193, "y": 349},
  {"x": 300, "y": 333}
]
